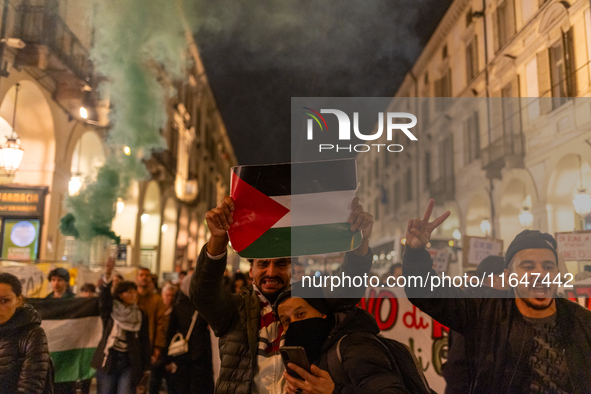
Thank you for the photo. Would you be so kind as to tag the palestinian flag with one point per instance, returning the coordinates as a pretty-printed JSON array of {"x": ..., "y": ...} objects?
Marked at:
[
  {"x": 293, "y": 209},
  {"x": 73, "y": 328}
]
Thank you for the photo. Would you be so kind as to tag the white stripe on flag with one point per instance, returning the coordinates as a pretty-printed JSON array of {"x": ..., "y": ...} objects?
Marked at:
[
  {"x": 315, "y": 208},
  {"x": 70, "y": 334}
]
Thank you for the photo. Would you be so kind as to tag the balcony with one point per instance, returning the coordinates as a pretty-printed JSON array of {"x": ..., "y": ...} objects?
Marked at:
[
  {"x": 443, "y": 189},
  {"x": 51, "y": 45},
  {"x": 506, "y": 151}
]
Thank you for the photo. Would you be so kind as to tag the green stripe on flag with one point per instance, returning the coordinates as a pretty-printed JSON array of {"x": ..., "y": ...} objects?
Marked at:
[
  {"x": 303, "y": 240},
  {"x": 74, "y": 364}
]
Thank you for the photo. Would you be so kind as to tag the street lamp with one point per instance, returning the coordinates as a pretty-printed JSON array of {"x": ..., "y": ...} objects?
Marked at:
[
  {"x": 11, "y": 152},
  {"x": 582, "y": 200},
  {"x": 526, "y": 218},
  {"x": 120, "y": 206},
  {"x": 485, "y": 227},
  {"x": 75, "y": 185}
]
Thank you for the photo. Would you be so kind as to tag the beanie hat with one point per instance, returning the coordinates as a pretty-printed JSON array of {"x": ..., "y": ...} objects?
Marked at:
[
  {"x": 59, "y": 272},
  {"x": 530, "y": 239},
  {"x": 491, "y": 265},
  {"x": 313, "y": 296}
]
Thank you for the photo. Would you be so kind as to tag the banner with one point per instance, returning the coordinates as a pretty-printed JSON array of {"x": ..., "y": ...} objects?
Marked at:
[
  {"x": 574, "y": 246},
  {"x": 293, "y": 209},
  {"x": 398, "y": 319},
  {"x": 74, "y": 329},
  {"x": 34, "y": 276}
]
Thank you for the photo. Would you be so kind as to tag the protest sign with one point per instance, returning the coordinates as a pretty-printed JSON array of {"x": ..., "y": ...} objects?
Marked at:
[
  {"x": 440, "y": 258},
  {"x": 477, "y": 248},
  {"x": 574, "y": 246}
]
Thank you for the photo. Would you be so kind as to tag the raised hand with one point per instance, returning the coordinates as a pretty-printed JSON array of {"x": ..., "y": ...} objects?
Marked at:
[
  {"x": 418, "y": 231},
  {"x": 219, "y": 221},
  {"x": 360, "y": 220}
]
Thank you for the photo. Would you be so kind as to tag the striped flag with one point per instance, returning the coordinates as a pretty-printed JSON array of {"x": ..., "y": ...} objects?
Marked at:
[
  {"x": 293, "y": 209},
  {"x": 73, "y": 328}
]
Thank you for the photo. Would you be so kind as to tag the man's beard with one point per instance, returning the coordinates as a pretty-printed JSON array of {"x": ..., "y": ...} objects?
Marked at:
[{"x": 536, "y": 307}]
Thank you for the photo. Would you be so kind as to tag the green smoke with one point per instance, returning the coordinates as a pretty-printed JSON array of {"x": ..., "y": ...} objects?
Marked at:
[{"x": 136, "y": 44}]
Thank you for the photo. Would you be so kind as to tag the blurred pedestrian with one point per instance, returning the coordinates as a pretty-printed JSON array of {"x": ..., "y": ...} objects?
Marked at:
[
  {"x": 123, "y": 354},
  {"x": 151, "y": 304},
  {"x": 25, "y": 365},
  {"x": 190, "y": 372},
  {"x": 530, "y": 342},
  {"x": 238, "y": 281},
  {"x": 169, "y": 292},
  {"x": 297, "y": 271},
  {"x": 60, "y": 283},
  {"x": 88, "y": 290}
]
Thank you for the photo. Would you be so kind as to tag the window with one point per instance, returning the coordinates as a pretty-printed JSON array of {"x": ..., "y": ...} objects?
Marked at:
[
  {"x": 443, "y": 89},
  {"x": 472, "y": 59},
  {"x": 408, "y": 185},
  {"x": 504, "y": 24},
  {"x": 558, "y": 75},
  {"x": 426, "y": 78},
  {"x": 444, "y": 52},
  {"x": 472, "y": 139},
  {"x": 427, "y": 169}
]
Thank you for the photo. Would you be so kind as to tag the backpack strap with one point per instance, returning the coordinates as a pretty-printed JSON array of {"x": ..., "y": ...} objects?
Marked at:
[
  {"x": 191, "y": 327},
  {"x": 335, "y": 363}
]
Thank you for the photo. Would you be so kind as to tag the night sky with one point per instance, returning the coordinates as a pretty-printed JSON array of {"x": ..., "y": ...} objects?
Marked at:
[{"x": 258, "y": 57}]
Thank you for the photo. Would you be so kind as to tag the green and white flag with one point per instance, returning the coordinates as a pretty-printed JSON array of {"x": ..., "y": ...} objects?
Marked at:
[
  {"x": 73, "y": 328},
  {"x": 293, "y": 209}
]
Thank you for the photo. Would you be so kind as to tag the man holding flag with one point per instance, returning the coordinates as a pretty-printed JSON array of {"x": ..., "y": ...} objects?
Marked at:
[{"x": 249, "y": 333}]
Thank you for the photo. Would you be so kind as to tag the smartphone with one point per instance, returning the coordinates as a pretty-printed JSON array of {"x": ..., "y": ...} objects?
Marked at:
[{"x": 296, "y": 355}]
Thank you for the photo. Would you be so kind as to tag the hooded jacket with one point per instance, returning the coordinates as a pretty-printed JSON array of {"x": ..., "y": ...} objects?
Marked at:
[
  {"x": 235, "y": 318},
  {"x": 498, "y": 341},
  {"x": 365, "y": 361},
  {"x": 138, "y": 343},
  {"x": 25, "y": 365}
]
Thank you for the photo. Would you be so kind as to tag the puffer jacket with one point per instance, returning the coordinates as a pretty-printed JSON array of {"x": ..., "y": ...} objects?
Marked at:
[
  {"x": 498, "y": 341},
  {"x": 25, "y": 365},
  {"x": 364, "y": 360},
  {"x": 235, "y": 318}
]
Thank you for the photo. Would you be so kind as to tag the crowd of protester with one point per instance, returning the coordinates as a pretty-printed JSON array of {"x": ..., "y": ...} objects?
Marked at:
[{"x": 518, "y": 340}]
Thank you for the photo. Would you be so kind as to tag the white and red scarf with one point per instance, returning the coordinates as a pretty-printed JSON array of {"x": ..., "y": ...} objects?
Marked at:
[{"x": 269, "y": 376}]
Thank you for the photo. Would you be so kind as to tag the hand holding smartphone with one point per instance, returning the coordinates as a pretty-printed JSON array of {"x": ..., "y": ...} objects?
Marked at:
[{"x": 296, "y": 355}]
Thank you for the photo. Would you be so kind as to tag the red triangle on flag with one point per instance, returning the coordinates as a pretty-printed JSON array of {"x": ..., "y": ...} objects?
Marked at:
[{"x": 254, "y": 214}]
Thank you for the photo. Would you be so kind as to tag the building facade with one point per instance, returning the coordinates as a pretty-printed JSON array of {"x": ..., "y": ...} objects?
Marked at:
[
  {"x": 512, "y": 145},
  {"x": 62, "y": 123}
]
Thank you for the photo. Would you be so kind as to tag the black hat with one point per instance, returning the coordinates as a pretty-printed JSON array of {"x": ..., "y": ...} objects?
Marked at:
[
  {"x": 313, "y": 296},
  {"x": 491, "y": 265},
  {"x": 530, "y": 239},
  {"x": 59, "y": 272}
]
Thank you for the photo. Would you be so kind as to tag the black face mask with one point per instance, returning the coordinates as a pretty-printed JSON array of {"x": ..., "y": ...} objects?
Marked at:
[{"x": 309, "y": 334}]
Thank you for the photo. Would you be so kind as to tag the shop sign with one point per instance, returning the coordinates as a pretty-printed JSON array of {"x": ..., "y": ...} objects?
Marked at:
[{"x": 22, "y": 201}]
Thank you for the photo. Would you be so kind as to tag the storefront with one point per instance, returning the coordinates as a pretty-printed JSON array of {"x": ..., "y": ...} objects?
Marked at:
[{"x": 21, "y": 221}]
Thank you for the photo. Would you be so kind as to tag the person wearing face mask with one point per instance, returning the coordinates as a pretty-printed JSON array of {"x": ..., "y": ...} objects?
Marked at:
[
  {"x": 249, "y": 333},
  {"x": 25, "y": 366},
  {"x": 309, "y": 323},
  {"x": 123, "y": 354}
]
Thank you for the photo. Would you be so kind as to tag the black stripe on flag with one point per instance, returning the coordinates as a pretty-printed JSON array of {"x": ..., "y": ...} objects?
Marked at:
[
  {"x": 65, "y": 308},
  {"x": 300, "y": 178}
]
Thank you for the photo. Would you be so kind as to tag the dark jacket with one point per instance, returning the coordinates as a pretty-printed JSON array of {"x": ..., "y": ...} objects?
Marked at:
[
  {"x": 199, "y": 343},
  {"x": 67, "y": 294},
  {"x": 364, "y": 360},
  {"x": 498, "y": 341},
  {"x": 235, "y": 318},
  {"x": 138, "y": 343},
  {"x": 25, "y": 366}
]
